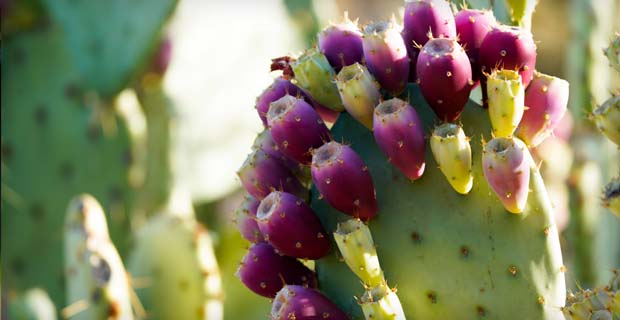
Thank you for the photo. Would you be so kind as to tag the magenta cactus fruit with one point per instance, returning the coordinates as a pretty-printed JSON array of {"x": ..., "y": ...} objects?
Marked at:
[
  {"x": 162, "y": 58},
  {"x": 359, "y": 92},
  {"x": 427, "y": 19},
  {"x": 472, "y": 27},
  {"x": 341, "y": 43},
  {"x": 343, "y": 180},
  {"x": 327, "y": 114},
  {"x": 445, "y": 78},
  {"x": 506, "y": 164},
  {"x": 260, "y": 174},
  {"x": 296, "y": 128},
  {"x": 545, "y": 105},
  {"x": 509, "y": 48},
  {"x": 424, "y": 20},
  {"x": 301, "y": 303},
  {"x": 245, "y": 220},
  {"x": 265, "y": 272},
  {"x": 400, "y": 135},
  {"x": 291, "y": 226},
  {"x": 386, "y": 55},
  {"x": 264, "y": 141},
  {"x": 278, "y": 89}
]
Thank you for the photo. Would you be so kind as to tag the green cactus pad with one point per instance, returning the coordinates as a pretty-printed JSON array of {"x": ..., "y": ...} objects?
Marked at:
[
  {"x": 53, "y": 147},
  {"x": 174, "y": 256},
  {"x": 450, "y": 256},
  {"x": 33, "y": 304},
  {"x": 109, "y": 40}
]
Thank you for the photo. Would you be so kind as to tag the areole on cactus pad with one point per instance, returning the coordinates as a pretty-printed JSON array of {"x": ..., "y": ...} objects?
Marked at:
[{"x": 460, "y": 222}]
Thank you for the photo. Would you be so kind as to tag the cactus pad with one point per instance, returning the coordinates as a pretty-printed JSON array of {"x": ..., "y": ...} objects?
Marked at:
[{"x": 450, "y": 254}]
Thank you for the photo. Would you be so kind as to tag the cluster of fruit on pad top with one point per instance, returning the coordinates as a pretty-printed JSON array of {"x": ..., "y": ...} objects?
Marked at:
[{"x": 348, "y": 124}]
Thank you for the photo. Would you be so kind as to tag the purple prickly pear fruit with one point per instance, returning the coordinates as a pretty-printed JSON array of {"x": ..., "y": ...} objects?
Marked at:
[
  {"x": 265, "y": 272},
  {"x": 545, "y": 101},
  {"x": 471, "y": 28},
  {"x": 245, "y": 220},
  {"x": 386, "y": 55},
  {"x": 423, "y": 20},
  {"x": 296, "y": 128},
  {"x": 301, "y": 303},
  {"x": 162, "y": 58},
  {"x": 260, "y": 174},
  {"x": 327, "y": 114},
  {"x": 278, "y": 89},
  {"x": 506, "y": 163},
  {"x": 444, "y": 75},
  {"x": 341, "y": 43},
  {"x": 507, "y": 47},
  {"x": 359, "y": 92},
  {"x": 343, "y": 180},
  {"x": 264, "y": 141},
  {"x": 291, "y": 227},
  {"x": 400, "y": 135}
]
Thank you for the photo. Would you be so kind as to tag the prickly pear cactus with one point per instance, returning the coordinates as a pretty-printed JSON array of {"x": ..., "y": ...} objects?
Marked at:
[
  {"x": 598, "y": 303},
  {"x": 462, "y": 241},
  {"x": 174, "y": 259},
  {"x": 109, "y": 39},
  {"x": 97, "y": 283},
  {"x": 446, "y": 253},
  {"x": 55, "y": 143}
]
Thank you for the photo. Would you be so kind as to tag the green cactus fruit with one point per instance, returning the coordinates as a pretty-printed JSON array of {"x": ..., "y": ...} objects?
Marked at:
[
  {"x": 506, "y": 101},
  {"x": 450, "y": 255},
  {"x": 97, "y": 283},
  {"x": 607, "y": 119},
  {"x": 381, "y": 302},
  {"x": 599, "y": 303},
  {"x": 452, "y": 152},
  {"x": 174, "y": 257},
  {"x": 33, "y": 304},
  {"x": 110, "y": 40},
  {"x": 359, "y": 92},
  {"x": 611, "y": 196},
  {"x": 56, "y": 142},
  {"x": 358, "y": 251},
  {"x": 314, "y": 74},
  {"x": 521, "y": 11},
  {"x": 613, "y": 52}
]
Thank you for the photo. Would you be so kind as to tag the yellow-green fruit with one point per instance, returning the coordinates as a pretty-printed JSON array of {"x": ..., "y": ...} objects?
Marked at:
[
  {"x": 611, "y": 196},
  {"x": 607, "y": 118},
  {"x": 381, "y": 302},
  {"x": 358, "y": 251},
  {"x": 359, "y": 93},
  {"x": 452, "y": 152},
  {"x": 314, "y": 74},
  {"x": 506, "y": 101}
]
